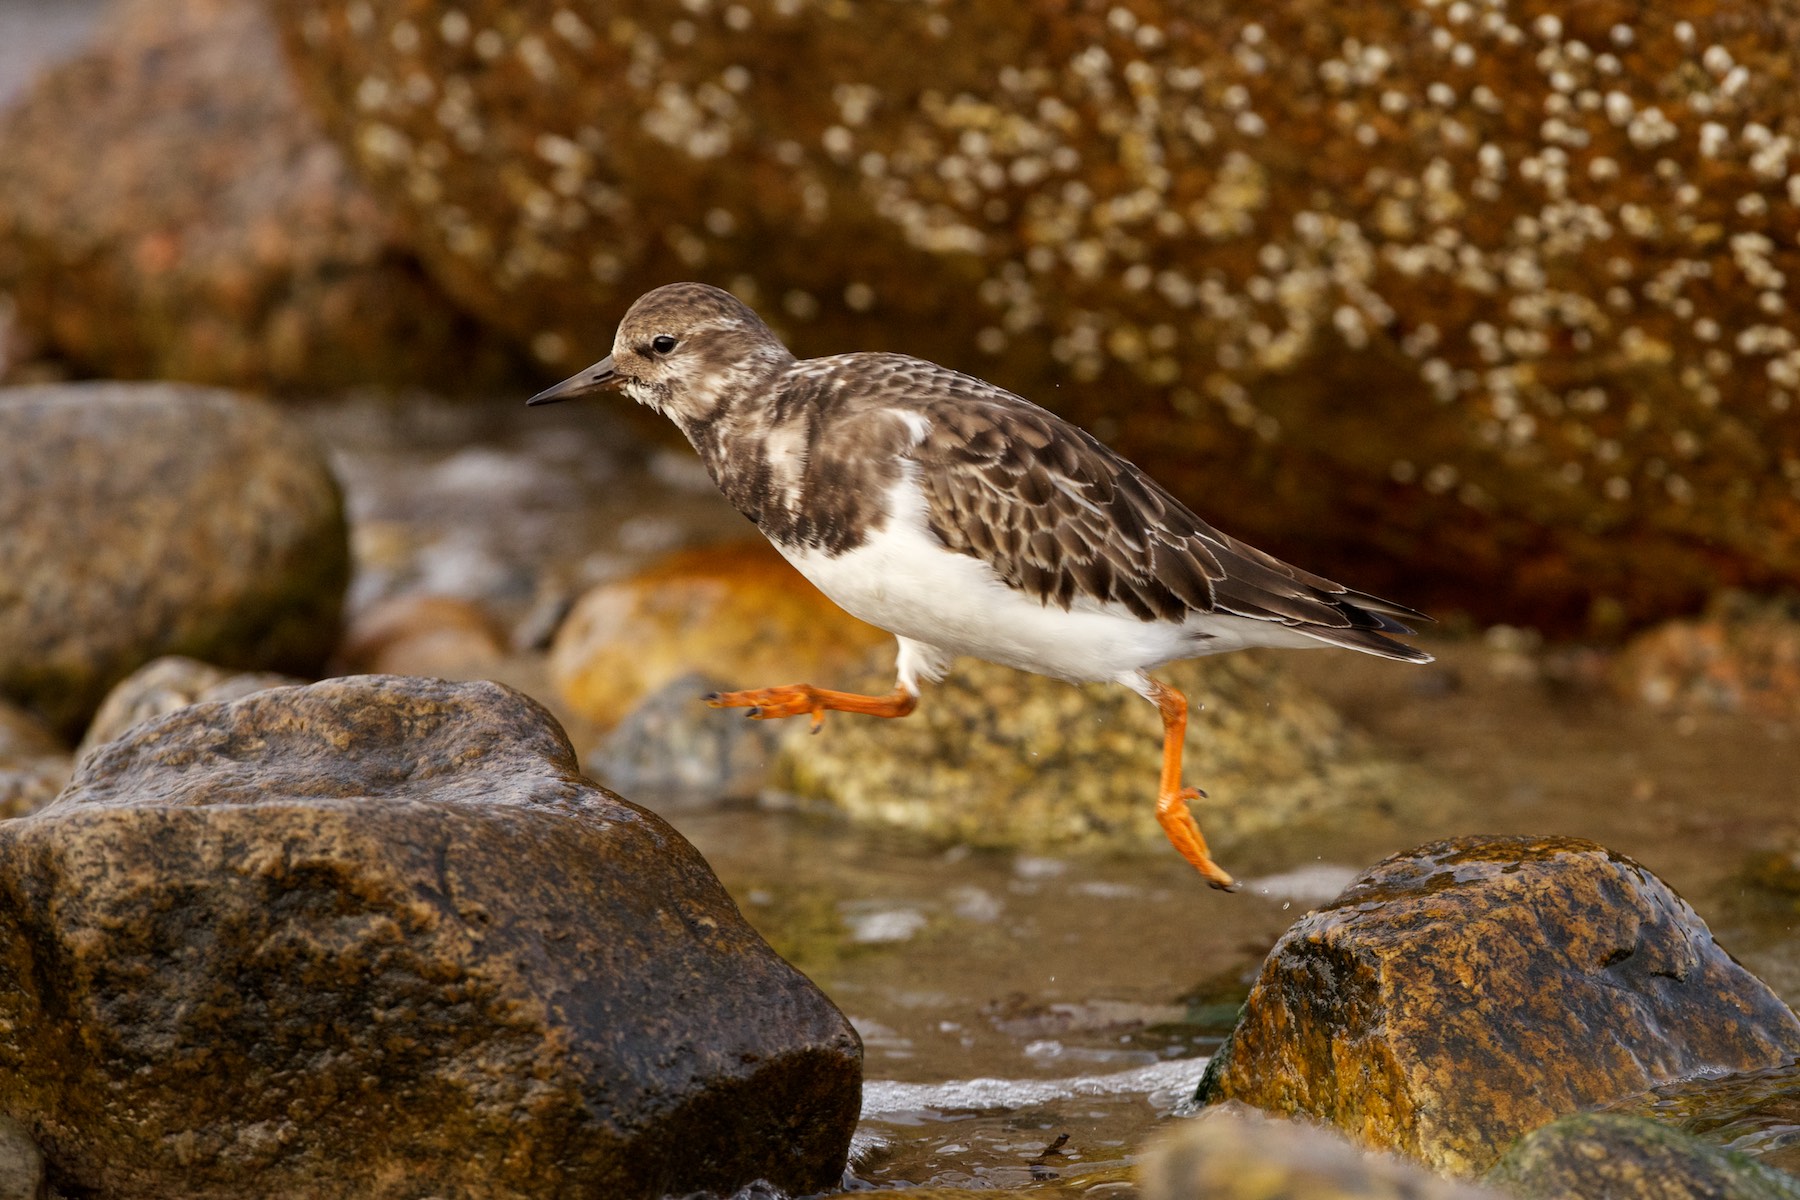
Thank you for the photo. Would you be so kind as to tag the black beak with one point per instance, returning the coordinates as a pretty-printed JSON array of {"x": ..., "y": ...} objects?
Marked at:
[{"x": 583, "y": 383}]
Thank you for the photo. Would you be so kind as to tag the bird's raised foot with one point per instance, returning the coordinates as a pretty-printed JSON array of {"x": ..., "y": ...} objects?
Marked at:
[
  {"x": 790, "y": 700},
  {"x": 1184, "y": 832},
  {"x": 774, "y": 703}
]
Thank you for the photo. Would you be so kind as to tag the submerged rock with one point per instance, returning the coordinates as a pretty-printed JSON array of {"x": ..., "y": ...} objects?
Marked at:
[
  {"x": 997, "y": 757},
  {"x": 377, "y": 937},
  {"x": 1510, "y": 290},
  {"x": 151, "y": 519},
  {"x": 1759, "y": 1109},
  {"x": 208, "y": 230},
  {"x": 159, "y": 688},
  {"x": 1237, "y": 1154},
  {"x": 34, "y": 764},
  {"x": 1609, "y": 1156},
  {"x": 1467, "y": 992}
]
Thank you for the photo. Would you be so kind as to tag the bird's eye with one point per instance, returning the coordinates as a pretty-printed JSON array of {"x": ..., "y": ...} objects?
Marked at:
[{"x": 662, "y": 343}]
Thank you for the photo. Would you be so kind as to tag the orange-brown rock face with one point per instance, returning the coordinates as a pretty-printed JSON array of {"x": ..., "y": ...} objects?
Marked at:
[
  {"x": 1480, "y": 306},
  {"x": 1457, "y": 996}
]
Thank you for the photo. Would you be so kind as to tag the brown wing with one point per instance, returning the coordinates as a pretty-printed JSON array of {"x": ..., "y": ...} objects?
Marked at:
[{"x": 1060, "y": 516}]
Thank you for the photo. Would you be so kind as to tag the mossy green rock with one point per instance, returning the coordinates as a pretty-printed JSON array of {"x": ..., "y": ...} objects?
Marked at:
[
  {"x": 1459, "y": 995},
  {"x": 1477, "y": 307},
  {"x": 1231, "y": 1153},
  {"x": 1000, "y": 758},
  {"x": 150, "y": 519},
  {"x": 1608, "y": 1156},
  {"x": 378, "y": 938}
]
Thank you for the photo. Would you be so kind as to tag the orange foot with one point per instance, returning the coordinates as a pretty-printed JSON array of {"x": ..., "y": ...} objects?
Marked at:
[
  {"x": 1178, "y": 822},
  {"x": 1172, "y": 811},
  {"x": 767, "y": 704}
]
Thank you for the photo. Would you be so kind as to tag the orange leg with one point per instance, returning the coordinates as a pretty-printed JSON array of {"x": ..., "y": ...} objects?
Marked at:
[
  {"x": 766, "y": 704},
  {"x": 1172, "y": 811}
]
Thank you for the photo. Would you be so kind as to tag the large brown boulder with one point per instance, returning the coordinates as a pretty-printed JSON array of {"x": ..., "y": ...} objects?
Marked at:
[
  {"x": 1480, "y": 307},
  {"x": 1467, "y": 992},
  {"x": 377, "y": 937},
  {"x": 170, "y": 209},
  {"x": 151, "y": 519}
]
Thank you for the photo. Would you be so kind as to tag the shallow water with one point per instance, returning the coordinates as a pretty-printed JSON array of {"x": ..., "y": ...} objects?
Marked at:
[{"x": 1006, "y": 1001}]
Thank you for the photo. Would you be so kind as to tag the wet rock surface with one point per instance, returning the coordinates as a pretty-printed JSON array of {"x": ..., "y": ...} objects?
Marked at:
[
  {"x": 997, "y": 757},
  {"x": 1470, "y": 991},
  {"x": 159, "y": 688},
  {"x": 153, "y": 519},
  {"x": 34, "y": 764},
  {"x": 737, "y": 611},
  {"x": 1234, "y": 1153},
  {"x": 1510, "y": 291},
  {"x": 1755, "y": 1111},
  {"x": 1607, "y": 1156},
  {"x": 208, "y": 230},
  {"x": 377, "y": 937}
]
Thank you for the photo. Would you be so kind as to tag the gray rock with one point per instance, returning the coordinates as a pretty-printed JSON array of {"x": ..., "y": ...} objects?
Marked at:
[
  {"x": 1461, "y": 994},
  {"x": 151, "y": 519},
  {"x": 21, "y": 1163},
  {"x": 377, "y": 937},
  {"x": 671, "y": 747}
]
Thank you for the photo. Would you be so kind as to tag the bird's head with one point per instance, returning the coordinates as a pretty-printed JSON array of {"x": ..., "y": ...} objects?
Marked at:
[{"x": 680, "y": 350}]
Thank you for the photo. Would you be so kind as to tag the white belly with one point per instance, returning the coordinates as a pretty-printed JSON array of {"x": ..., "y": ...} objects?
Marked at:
[{"x": 902, "y": 579}]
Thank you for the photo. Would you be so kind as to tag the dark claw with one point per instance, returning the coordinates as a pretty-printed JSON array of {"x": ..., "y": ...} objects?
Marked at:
[
  {"x": 754, "y": 712},
  {"x": 713, "y": 697}
]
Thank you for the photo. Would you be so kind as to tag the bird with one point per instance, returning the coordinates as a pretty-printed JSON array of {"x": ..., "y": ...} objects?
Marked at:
[{"x": 966, "y": 521}]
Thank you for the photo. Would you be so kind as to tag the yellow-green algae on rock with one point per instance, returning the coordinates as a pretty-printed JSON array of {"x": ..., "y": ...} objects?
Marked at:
[{"x": 1000, "y": 758}]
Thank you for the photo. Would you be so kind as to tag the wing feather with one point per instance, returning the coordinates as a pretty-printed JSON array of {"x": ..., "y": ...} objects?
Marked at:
[{"x": 1063, "y": 518}]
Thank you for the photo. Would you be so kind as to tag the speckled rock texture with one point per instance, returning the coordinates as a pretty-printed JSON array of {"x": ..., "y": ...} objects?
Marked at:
[
  {"x": 34, "y": 764},
  {"x": 1741, "y": 656},
  {"x": 377, "y": 937},
  {"x": 1483, "y": 307},
  {"x": 158, "y": 688},
  {"x": 735, "y": 611},
  {"x": 1467, "y": 992},
  {"x": 1000, "y": 758},
  {"x": 205, "y": 229},
  {"x": 151, "y": 519},
  {"x": 1606, "y": 1156},
  {"x": 1232, "y": 1153}
]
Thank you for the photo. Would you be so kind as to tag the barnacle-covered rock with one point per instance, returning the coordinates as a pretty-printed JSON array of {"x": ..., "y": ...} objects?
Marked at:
[{"x": 1500, "y": 290}]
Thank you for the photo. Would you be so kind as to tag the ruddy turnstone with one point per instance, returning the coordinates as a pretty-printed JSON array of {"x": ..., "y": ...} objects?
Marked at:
[{"x": 966, "y": 520}]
